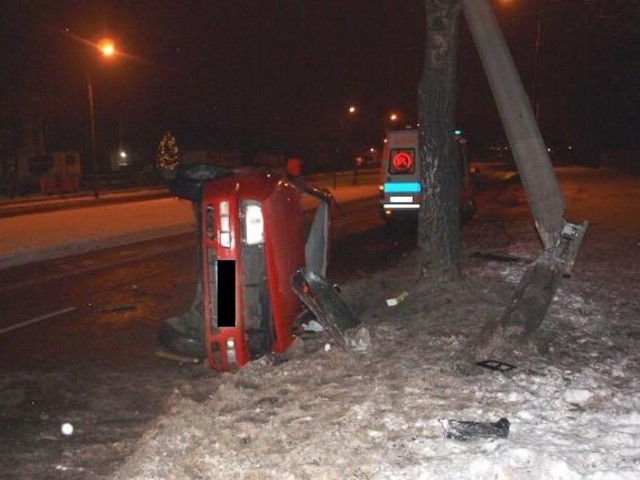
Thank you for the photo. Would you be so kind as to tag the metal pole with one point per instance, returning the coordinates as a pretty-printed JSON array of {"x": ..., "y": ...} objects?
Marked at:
[
  {"x": 536, "y": 62},
  {"x": 92, "y": 118}
]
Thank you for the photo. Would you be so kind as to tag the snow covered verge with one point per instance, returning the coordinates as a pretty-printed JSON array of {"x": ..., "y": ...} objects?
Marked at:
[{"x": 573, "y": 399}]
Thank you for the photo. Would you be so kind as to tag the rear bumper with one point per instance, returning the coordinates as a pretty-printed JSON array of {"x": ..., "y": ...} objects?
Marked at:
[{"x": 398, "y": 214}]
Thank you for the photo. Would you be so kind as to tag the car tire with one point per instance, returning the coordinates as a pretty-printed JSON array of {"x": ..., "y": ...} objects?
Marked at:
[
  {"x": 468, "y": 211},
  {"x": 175, "y": 336}
]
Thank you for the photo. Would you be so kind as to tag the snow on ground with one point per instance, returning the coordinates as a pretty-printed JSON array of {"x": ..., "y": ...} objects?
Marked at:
[{"x": 573, "y": 400}]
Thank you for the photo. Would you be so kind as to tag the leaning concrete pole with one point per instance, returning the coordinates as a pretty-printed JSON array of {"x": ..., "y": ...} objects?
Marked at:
[
  {"x": 532, "y": 299},
  {"x": 529, "y": 151}
]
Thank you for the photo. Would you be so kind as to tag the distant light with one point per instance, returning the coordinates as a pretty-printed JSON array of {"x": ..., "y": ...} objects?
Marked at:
[
  {"x": 393, "y": 117},
  {"x": 458, "y": 132},
  {"x": 107, "y": 47},
  {"x": 122, "y": 159},
  {"x": 352, "y": 109}
]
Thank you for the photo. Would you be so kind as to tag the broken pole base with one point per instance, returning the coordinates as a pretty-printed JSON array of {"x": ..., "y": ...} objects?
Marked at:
[{"x": 528, "y": 308}]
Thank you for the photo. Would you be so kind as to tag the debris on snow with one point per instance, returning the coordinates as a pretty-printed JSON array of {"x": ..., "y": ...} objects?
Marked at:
[
  {"x": 496, "y": 365},
  {"x": 464, "y": 430},
  {"x": 398, "y": 299},
  {"x": 312, "y": 326}
]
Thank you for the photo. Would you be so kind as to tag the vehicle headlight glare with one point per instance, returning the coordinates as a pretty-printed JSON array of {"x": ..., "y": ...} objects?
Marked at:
[{"x": 253, "y": 224}]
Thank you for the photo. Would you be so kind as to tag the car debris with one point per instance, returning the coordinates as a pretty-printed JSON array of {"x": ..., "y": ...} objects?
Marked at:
[
  {"x": 398, "y": 299},
  {"x": 312, "y": 326},
  {"x": 496, "y": 365},
  {"x": 464, "y": 430},
  {"x": 330, "y": 310}
]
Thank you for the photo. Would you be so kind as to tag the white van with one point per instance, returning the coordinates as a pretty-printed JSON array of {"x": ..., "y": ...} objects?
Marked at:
[{"x": 400, "y": 177}]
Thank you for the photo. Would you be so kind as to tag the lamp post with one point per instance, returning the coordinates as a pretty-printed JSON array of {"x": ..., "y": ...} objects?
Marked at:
[
  {"x": 92, "y": 119},
  {"x": 107, "y": 49},
  {"x": 351, "y": 110},
  {"x": 345, "y": 114},
  {"x": 536, "y": 61}
]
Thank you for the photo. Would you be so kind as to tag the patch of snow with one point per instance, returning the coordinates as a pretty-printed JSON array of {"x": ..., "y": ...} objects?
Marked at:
[{"x": 573, "y": 407}]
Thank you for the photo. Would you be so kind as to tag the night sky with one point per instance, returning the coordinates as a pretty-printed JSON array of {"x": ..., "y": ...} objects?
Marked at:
[{"x": 280, "y": 74}]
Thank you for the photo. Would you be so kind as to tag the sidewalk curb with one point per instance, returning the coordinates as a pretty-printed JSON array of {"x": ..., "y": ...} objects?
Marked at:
[{"x": 13, "y": 209}]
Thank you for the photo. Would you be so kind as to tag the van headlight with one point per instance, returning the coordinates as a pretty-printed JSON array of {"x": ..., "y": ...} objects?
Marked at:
[{"x": 253, "y": 223}]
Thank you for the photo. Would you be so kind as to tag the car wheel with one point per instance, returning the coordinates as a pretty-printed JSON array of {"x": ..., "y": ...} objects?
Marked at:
[
  {"x": 468, "y": 211},
  {"x": 175, "y": 336}
]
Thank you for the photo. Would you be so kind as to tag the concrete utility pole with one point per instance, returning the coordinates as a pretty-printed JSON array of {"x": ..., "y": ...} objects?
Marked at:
[
  {"x": 531, "y": 301},
  {"x": 529, "y": 151}
]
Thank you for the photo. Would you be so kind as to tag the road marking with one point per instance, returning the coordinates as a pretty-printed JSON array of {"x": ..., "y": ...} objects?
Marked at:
[{"x": 36, "y": 320}]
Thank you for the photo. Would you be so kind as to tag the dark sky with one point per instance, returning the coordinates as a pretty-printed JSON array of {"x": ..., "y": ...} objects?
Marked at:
[{"x": 279, "y": 72}]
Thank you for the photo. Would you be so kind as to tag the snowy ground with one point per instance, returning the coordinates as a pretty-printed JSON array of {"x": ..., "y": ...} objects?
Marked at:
[{"x": 573, "y": 400}]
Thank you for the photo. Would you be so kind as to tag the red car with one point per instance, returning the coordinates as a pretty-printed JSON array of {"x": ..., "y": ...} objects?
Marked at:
[{"x": 254, "y": 237}]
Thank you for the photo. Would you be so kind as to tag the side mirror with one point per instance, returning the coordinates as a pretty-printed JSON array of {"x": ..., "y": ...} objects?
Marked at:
[{"x": 294, "y": 167}]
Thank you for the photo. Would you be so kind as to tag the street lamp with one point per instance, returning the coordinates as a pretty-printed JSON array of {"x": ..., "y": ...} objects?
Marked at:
[
  {"x": 107, "y": 49},
  {"x": 351, "y": 110},
  {"x": 536, "y": 60},
  {"x": 390, "y": 121},
  {"x": 344, "y": 128}
]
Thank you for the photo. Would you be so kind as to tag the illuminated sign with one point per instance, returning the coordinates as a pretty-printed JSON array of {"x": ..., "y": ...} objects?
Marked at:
[
  {"x": 402, "y": 187},
  {"x": 402, "y": 162}
]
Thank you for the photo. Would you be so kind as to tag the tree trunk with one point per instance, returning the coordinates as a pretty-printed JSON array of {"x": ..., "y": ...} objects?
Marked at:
[{"x": 439, "y": 224}]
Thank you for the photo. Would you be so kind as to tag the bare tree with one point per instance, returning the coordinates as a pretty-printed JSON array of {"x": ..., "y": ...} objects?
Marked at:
[{"x": 439, "y": 225}]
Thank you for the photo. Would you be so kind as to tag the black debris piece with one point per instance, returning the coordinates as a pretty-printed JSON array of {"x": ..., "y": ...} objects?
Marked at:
[
  {"x": 496, "y": 365},
  {"x": 461, "y": 430}
]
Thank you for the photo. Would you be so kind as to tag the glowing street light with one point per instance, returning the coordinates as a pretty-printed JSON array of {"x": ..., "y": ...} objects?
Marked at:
[
  {"x": 351, "y": 111},
  {"x": 107, "y": 47},
  {"x": 390, "y": 121}
]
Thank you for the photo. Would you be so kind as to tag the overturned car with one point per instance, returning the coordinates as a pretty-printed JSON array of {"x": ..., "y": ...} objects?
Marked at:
[{"x": 253, "y": 236}]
